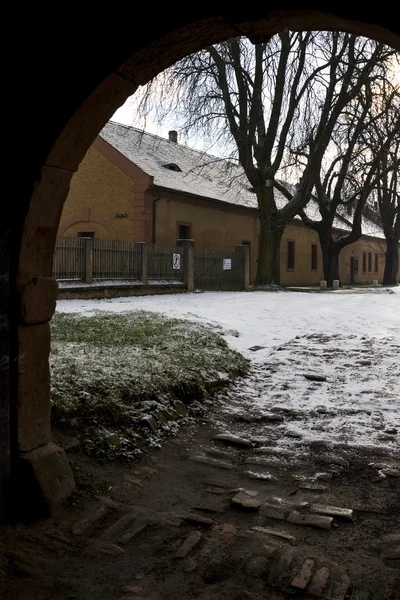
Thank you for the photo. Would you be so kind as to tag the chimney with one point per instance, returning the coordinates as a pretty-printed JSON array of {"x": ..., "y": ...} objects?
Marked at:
[{"x": 173, "y": 136}]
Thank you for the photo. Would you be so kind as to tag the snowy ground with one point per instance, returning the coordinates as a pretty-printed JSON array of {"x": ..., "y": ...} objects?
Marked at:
[{"x": 351, "y": 339}]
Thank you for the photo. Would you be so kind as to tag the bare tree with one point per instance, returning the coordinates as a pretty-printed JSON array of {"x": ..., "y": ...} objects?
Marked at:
[
  {"x": 356, "y": 159},
  {"x": 387, "y": 190},
  {"x": 258, "y": 98}
]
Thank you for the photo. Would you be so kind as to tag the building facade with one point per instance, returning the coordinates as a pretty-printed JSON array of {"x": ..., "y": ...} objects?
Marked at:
[{"x": 138, "y": 187}]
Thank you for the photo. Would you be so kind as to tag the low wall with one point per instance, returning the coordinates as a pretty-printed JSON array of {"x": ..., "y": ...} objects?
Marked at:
[{"x": 116, "y": 289}]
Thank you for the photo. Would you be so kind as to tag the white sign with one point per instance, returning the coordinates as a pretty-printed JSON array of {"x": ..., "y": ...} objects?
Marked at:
[
  {"x": 226, "y": 264},
  {"x": 176, "y": 261}
]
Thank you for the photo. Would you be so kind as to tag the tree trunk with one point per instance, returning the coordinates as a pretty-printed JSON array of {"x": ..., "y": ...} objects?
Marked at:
[
  {"x": 330, "y": 257},
  {"x": 391, "y": 262},
  {"x": 268, "y": 266}
]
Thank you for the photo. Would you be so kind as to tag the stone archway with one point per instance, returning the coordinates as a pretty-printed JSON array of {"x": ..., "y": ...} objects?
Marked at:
[{"x": 42, "y": 467}]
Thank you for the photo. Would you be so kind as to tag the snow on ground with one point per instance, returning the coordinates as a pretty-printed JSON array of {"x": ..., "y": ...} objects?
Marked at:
[{"x": 351, "y": 339}]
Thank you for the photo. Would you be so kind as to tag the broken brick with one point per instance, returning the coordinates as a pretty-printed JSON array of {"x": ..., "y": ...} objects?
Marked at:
[
  {"x": 318, "y": 583},
  {"x": 302, "y": 578}
]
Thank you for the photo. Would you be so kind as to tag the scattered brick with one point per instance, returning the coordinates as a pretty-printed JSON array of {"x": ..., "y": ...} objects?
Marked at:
[
  {"x": 272, "y": 417},
  {"x": 108, "y": 502},
  {"x": 212, "y": 462},
  {"x": 310, "y": 520},
  {"x": 323, "y": 476},
  {"x": 226, "y": 530},
  {"x": 219, "y": 454},
  {"x": 266, "y": 462},
  {"x": 313, "y": 487},
  {"x": 247, "y": 501},
  {"x": 302, "y": 578},
  {"x": 130, "y": 481},
  {"x": 274, "y": 532},
  {"x": 190, "y": 542},
  {"x": 333, "y": 511},
  {"x": 109, "y": 549},
  {"x": 273, "y": 512},
  {"x": 380, "y": 477},
  {"x": 289, "y": 504},
  {"x": 339, "y": 588},
  {"x": 197, "y": 519},
  {"x": 313, "y": 377},
  {"x": 259, "y": 476},
  {"x": 233, "y": 440},
  {"x": 391, "y": 553},
  {"x": 331, "y": 459},
  {"x": 318, "y": 583},
  {"x": 391, "y": 472}
]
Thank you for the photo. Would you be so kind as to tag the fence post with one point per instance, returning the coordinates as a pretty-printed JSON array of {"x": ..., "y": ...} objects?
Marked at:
[
  {"x": 245, "y": 252},
  {"x": 188, "y": 263},
  {"x": 144, "y": 263},
  {"x": 88, "y": 260},
  {"x": 190, "y": 269}
]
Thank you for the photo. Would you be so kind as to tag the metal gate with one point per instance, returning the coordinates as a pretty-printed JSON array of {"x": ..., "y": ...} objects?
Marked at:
[{"x": 216, "y": 270}]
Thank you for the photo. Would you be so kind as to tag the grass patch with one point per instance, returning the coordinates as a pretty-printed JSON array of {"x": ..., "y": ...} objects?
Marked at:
[{"x": 109, "y": 371}]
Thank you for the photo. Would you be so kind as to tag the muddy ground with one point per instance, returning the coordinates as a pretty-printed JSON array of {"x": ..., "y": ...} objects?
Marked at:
[{"x": 166, "y": 527}]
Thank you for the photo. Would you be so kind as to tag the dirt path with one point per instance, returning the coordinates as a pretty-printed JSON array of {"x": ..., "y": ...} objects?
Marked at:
[{"x": 178, "y": 525}]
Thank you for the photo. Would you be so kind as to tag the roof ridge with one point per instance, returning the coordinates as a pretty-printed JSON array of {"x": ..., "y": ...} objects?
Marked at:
[{"x": 164, "y": 139}]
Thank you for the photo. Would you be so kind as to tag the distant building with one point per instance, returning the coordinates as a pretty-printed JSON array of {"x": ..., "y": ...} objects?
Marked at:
[{"x": 135, "y": 186}]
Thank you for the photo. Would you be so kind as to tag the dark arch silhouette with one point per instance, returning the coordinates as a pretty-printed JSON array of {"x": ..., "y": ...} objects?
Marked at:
[{"x": 75, "y": 72}]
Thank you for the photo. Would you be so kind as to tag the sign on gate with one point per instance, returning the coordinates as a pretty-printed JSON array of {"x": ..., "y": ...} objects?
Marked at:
[
  {"x": 226, "y": 264},
  {"x": 176, "y": 261}
]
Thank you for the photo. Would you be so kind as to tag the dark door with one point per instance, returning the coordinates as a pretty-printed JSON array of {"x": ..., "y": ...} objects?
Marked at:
[{"x": 353, "y": 269}]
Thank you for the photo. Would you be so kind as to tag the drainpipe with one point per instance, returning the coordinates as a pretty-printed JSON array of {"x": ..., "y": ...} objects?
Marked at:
[{"x": 153, "y": 234}]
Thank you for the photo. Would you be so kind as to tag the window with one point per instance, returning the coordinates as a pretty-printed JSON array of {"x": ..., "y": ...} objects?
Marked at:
[
  {"x": 376, "y": 263},
  {"x": 184, "y": 232},
  {"x": 364, "y": 262},
  {"x": 86, "y": 234},
  {"x": 314, "y": 257},
  {"x": 369, "y": 262},
  {"x": 290, "y": 255}
]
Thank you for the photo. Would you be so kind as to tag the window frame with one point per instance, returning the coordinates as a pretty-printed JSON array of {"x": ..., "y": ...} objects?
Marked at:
[
  {"x": 184, "y": 224},
  {"x": 313, "y": 245}
]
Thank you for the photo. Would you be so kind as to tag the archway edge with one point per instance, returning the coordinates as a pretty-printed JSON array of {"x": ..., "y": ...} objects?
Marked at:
[{"x": 161, "y": 54}]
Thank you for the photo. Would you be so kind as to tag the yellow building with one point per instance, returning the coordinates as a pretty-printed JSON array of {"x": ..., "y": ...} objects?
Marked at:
[{"x": 135, "y": 186}]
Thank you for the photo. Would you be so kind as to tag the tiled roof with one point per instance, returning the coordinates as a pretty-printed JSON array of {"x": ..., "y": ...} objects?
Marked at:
[{"x": 198, "y": 173}]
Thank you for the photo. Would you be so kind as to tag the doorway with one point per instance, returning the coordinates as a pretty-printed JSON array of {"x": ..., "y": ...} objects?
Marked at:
[{"x": 353, "y": 269}]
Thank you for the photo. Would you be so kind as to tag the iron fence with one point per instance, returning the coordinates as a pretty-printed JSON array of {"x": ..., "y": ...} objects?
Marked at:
[
  {"x": 87, "y": 259},
  {"x": 113, "y": 259},
  {"x": 69, "y": 258}
]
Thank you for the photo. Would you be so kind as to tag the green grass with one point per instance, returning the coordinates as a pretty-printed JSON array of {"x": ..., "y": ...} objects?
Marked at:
[{"x": 108, "y": 370}]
